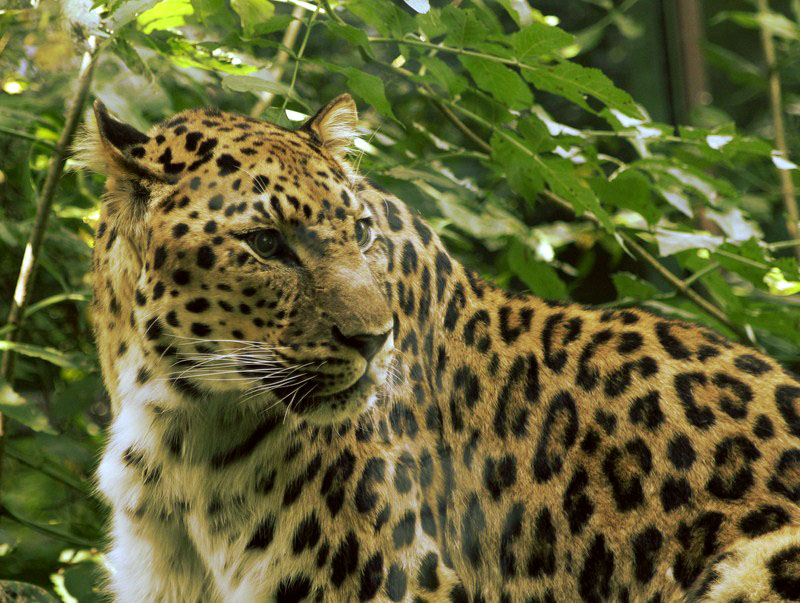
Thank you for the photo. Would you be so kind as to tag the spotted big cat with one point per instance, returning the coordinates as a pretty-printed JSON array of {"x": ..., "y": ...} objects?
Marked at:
[{"x": 314, "y": 401}]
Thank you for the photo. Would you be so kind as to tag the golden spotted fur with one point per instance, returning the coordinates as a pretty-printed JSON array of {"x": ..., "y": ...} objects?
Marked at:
[{"x": 314, "y": 401}]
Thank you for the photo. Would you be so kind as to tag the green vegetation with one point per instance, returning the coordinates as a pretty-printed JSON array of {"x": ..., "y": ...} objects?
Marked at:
[{"x": 535, "y": 167}]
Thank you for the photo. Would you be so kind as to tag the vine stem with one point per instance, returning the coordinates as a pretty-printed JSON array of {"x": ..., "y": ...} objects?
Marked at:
[
  {"x": 680, "y": 285},
  {"x": 30, "y": 259},
  {"x": 287, "y": 43},
  {"x": 776, "y": 106},
  {"x": 298, "y": 58}
]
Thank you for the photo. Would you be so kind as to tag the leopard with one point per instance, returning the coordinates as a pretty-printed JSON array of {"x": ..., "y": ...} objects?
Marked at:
[{"x": 313, "y": 400}]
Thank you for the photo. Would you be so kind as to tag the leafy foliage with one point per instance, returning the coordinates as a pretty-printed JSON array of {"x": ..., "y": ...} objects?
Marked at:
[{"x": 535, "y": 167}]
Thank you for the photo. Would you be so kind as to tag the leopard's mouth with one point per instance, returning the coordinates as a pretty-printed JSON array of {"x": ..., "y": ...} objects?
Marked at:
[{"x": 340, "y": 400}]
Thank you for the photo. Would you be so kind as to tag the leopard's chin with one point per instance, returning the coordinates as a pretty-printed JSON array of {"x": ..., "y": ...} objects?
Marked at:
[{"x": 345, "y": 404}]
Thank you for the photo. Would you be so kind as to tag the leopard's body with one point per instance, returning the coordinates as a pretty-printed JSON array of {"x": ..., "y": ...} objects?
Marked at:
[{"x": 496, "y": 448}]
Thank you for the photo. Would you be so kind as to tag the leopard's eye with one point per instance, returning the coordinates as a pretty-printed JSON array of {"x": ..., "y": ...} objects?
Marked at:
[
  {"x": 264, "y": 242},
  {"x": 364, "y": 232}
]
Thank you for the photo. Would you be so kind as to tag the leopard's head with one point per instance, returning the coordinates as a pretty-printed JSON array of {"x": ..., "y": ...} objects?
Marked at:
[{"x": 246, "y": 258}]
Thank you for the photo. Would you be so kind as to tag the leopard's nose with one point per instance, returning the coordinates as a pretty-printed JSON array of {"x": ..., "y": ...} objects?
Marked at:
[{"x": 365, "y": 344}]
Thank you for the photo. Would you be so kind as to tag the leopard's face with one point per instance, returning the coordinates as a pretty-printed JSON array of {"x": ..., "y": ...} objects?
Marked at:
[{"x": 261, "y": 271}]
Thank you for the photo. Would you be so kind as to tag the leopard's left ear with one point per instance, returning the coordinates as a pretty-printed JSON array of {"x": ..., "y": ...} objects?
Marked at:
[
  {"x": 114, "y": 148},
  {"x": 335, "y": 125}
]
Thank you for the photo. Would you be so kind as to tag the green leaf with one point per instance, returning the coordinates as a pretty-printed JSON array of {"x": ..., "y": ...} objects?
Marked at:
[
  {"x": 464, "y": 27},
  {"x": 542, "y": 279},
  {"x": 22, "y": 410},
  {"x": 445, "y": 75},
  {"x": 630, "y": 190},
  {"x": 130, "y": 56},
  {"x": 81, "y": 582},
  {"x": 73, "y": 361},
  {"x": 164, "y": 15},
  {"x": 384, "y": 16},
  {"x": 748, "y": 260},
  {"x": 630, "y": 286},
  {"x": 674, "y": 241},
  {"x": 353, "y": 35},
  {"x": 255, "y": 84},
  {"x": 364, "y": 85},
  {"x": 562, "y": 180},
  {"x": 252, "y": 12},
  {"x": 127, "y": 12},
  {"x": 774, "y": 23},
  {"x": 499, "y": 81},
  {"x": 184, "y": 53},
  {"x": 537, "y": 39},
  {"x": 574, "y": 82},
  {"x": 57, "y": 299},
  {"x": 536, "y": 135},
  {"x": 523, "y": 172}
]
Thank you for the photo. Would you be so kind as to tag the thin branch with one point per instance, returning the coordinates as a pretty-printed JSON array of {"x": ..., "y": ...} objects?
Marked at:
[
  {"x": 776, "y": 105},
  {"x": 329, "y": 10},
  {"x": 27, "y": 136},
  {"x": 450, "y": 49},
  {"x": 710, "y": 267},
  {"x": 298, "y": 58},
  {"x": 477, "y": 140},
  {"x": 674, "y": 281},
  {"x": 783, "y": 244},
  {"x": 16, "y": 315},
  {"x": 287, "y": 43}
]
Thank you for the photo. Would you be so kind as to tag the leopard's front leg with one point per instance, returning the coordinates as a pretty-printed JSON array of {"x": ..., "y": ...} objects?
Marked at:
[
  {"x": 154, "y": 560},
  {"x": 152, "y": 557}
]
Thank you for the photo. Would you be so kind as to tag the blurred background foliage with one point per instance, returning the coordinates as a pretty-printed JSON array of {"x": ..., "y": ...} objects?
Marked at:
[{"x": 672, "y": 187}]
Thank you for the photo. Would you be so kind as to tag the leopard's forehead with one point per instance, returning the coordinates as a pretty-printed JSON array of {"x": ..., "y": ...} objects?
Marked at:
[{"x": 247, "y": 168}]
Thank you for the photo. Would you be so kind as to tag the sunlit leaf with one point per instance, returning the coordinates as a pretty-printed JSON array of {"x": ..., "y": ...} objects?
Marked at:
[
  {"x": 252, "y": 12},
  {"x": 421, "y": 6},
  {"x": 21, "y": 409},
  {"x": 778, "y": 283},
  {"x": 733, "y": 224},
  {"x": 128, "y": 11},
  {"x": 673, "y": 241},
  {"x": 164, "y": 15},
  {"x": 256, "y": 84}
]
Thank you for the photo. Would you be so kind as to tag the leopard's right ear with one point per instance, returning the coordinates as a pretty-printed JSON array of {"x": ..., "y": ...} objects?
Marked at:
[{"x": 114, "y": 148}]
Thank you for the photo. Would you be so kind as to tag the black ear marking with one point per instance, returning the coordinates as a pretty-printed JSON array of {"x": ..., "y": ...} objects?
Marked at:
[
  {"x": 118, "y": 134},
  {"x": 125, "y": 149}
]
